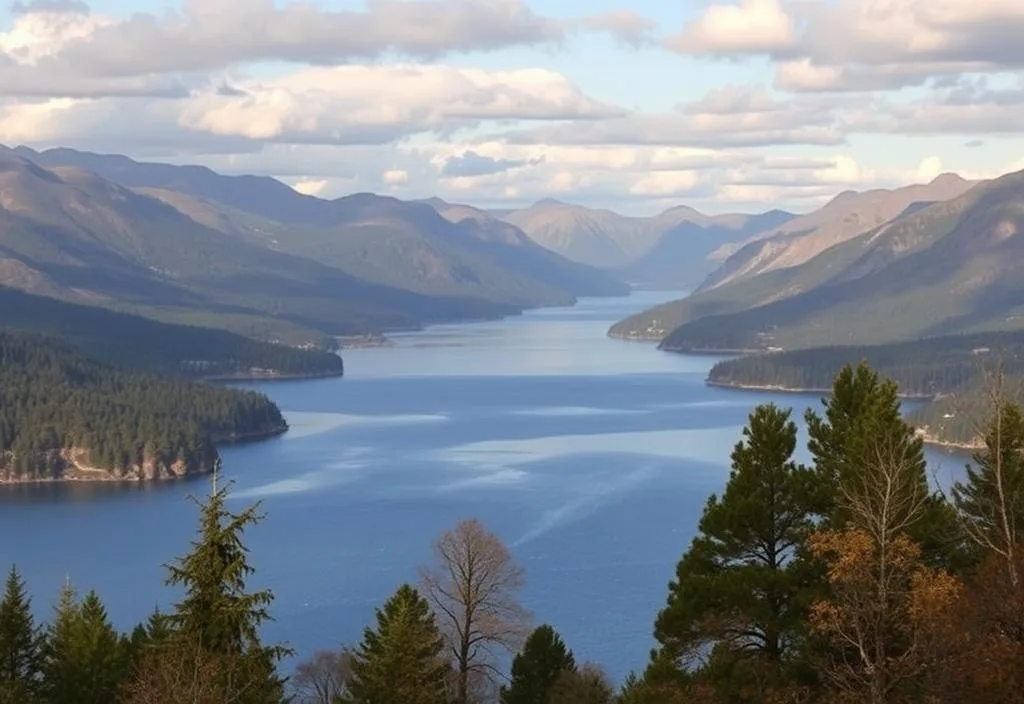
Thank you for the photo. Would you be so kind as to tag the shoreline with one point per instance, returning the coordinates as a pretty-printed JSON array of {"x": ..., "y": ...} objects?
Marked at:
[
  {"x": 98, "y": 475},
  {"x": 269, "y": 377},
  {"x": 928, "y": 439}
]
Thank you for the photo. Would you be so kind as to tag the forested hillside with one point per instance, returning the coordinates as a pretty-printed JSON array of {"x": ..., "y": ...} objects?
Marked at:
[
  {"x": 142, "y": 344},
  {"x": 63, "y": 416}
]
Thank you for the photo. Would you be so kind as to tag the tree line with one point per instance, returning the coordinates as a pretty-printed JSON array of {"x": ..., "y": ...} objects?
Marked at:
[
  {"x": 849, "y": 579},
  {"x": 140, "y": 344},
  {"x": 53, "y": 401}
]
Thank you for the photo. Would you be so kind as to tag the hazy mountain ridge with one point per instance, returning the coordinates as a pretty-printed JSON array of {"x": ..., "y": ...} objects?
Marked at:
[
  {"x": 673, "y": 249},
  {"x": 952, "y": 267}
]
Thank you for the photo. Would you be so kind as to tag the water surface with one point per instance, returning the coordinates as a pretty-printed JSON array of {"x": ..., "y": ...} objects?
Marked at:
[{"x": 591, "y": 457}]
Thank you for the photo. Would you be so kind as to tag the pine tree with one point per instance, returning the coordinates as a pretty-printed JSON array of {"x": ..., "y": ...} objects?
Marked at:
[
  {"x": 20, "y": 644},
  {"x": 741, "y": 590},
  {"x": 400, "y": 660},
  {"x": 86, "y": 661},
  {"x": 218, "y": 616},
  {"x": 537, "y": 667},
  {"x": 863, "y": 429}
]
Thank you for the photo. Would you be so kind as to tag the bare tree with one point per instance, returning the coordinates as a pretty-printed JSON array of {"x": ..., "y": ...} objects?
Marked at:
[
  {"x": 187, "y": 674},
  {"x": 473, "y": 588},
  {"x": 323, "y": 678},
  {"x": 887, "y": 612}
]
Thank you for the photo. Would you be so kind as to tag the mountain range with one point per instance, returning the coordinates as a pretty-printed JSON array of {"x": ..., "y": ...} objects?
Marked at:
[
  {"x": 934, "y": 269},
  {"x": 675, "y": 249},
  {"x": 184, "y": 244}
]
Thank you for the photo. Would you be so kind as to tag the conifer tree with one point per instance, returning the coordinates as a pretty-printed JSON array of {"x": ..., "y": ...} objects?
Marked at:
[
  {"x": 86, "y": 661},
  {"x": 863, "y": 429},
  {"x": 537, "y": 667},
  {"x": 991, "y": 499},
  {"x": 401, "y": 659},
  {"x": 218, "y": 616},
  {"x": 20, "y": 644},
  {"x": 741, "y": 590}
]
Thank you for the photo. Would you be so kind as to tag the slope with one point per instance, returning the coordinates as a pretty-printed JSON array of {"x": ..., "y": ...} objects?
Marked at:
[
  {"x": 378, "y": 239},
  {"x": 70, "y": 234},
  {"x": 952, "y": 267},
  {"x": 141, "y": 344},
  {"x": 847, "y": 215}
]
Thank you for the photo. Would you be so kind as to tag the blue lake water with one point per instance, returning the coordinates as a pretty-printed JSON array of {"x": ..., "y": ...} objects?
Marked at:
[{"x": 591, "y": 457}]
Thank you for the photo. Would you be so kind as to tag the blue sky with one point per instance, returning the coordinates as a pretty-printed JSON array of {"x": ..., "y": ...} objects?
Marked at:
[{"x": 721, "y": 104}]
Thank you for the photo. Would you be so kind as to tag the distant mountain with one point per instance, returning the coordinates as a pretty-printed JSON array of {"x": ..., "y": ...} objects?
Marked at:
[
  {"x": 599, "y": 238},
  {"x": 952, "y": 267},
  {"x": 365, "y": 262},
  {"x": 684, "y": 253},
  {"x": 847, "y": 215},
  {"x": 674, "y": 249}
]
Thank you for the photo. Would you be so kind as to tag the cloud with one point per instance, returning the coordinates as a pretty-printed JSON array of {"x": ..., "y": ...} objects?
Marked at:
[
  {"x": 625, "y": 25},
  {"x": 751, "y": 27},
  {"x": 473, "y": 164},
  {"x": 73, "y": 7},
  {"x": 213, "y": 34},
  {"x": 824, "y": 45}
]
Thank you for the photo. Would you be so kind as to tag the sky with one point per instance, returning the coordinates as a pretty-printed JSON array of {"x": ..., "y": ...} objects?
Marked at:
[{"x": 723, "y": 105}]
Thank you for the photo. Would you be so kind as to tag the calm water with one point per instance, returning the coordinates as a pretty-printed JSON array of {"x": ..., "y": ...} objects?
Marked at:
[{"x": 591, "y": 457}]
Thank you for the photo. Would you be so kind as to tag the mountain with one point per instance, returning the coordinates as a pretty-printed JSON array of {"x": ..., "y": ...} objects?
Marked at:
[
  {"x": 674, "y": 249},
  {"x": 684, "y": 253},
  {"x": 70, "y": 234},
  {"x": 847, "y": 215},
  {"x": 254, "y": 256},
  {"x": 948, "y": 268}
]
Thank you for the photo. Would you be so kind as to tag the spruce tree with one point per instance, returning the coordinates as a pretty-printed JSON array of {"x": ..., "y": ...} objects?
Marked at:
[
  {"x": 86, "y": 661},
  {"x": 218, "y": 616},
  {"x": 862, "y": 429},
  {"x": 401, "y": 659},
  {"x": 20, "y": 644},
  {"x": 537, "y": 667},
  {"x": 741, "y": 590}
]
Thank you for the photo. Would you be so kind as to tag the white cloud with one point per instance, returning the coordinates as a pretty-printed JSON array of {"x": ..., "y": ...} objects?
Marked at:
[
  {"x": 752, "y": 26},
  {"x": 395, "y": 177}
]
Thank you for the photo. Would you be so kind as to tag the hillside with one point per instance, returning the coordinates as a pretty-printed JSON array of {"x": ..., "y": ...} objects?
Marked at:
[
  {"x": 66, "y": 417},
  {"x": 141, "y": 344},
  {"x": 377, "y": 239},
  {"x": 942, "y": 269},
  {"x": 70, "y": 234},
  {"x": 673, "y": 249},
  {"x": 847, "y": 215}
]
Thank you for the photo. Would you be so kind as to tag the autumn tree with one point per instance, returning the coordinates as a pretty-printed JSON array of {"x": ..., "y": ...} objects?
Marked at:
[
  {"x": 402, "y": 659},
  {"x": 740, "y": 594},
  {"x": 323, "y": 678},
  {"x": 887, "y": 612},
  {"x": 20, "y": 644},
  {"x": 473, "y": 587},
  {"x": 537, "y": 667},
  {"x": 587, "y": 685}
]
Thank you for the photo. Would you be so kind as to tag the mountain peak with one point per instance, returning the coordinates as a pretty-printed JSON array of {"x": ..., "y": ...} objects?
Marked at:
[{"x": 947, "y": 179}]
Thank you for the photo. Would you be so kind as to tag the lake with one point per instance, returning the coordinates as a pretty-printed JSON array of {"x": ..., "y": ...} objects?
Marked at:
[{"x": 590, "y": 457}]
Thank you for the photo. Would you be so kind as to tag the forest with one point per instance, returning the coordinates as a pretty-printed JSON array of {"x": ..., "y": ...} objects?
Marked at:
[
  {"x": 65, "y": 416},
  {"x": 848, "y": 579},
  {"x": 142, "y": 344},
  {"x": 948, "y": 371}
]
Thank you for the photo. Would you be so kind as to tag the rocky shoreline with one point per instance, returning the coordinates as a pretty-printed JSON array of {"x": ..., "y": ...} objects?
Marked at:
[{"x": 76, "y": 470}]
